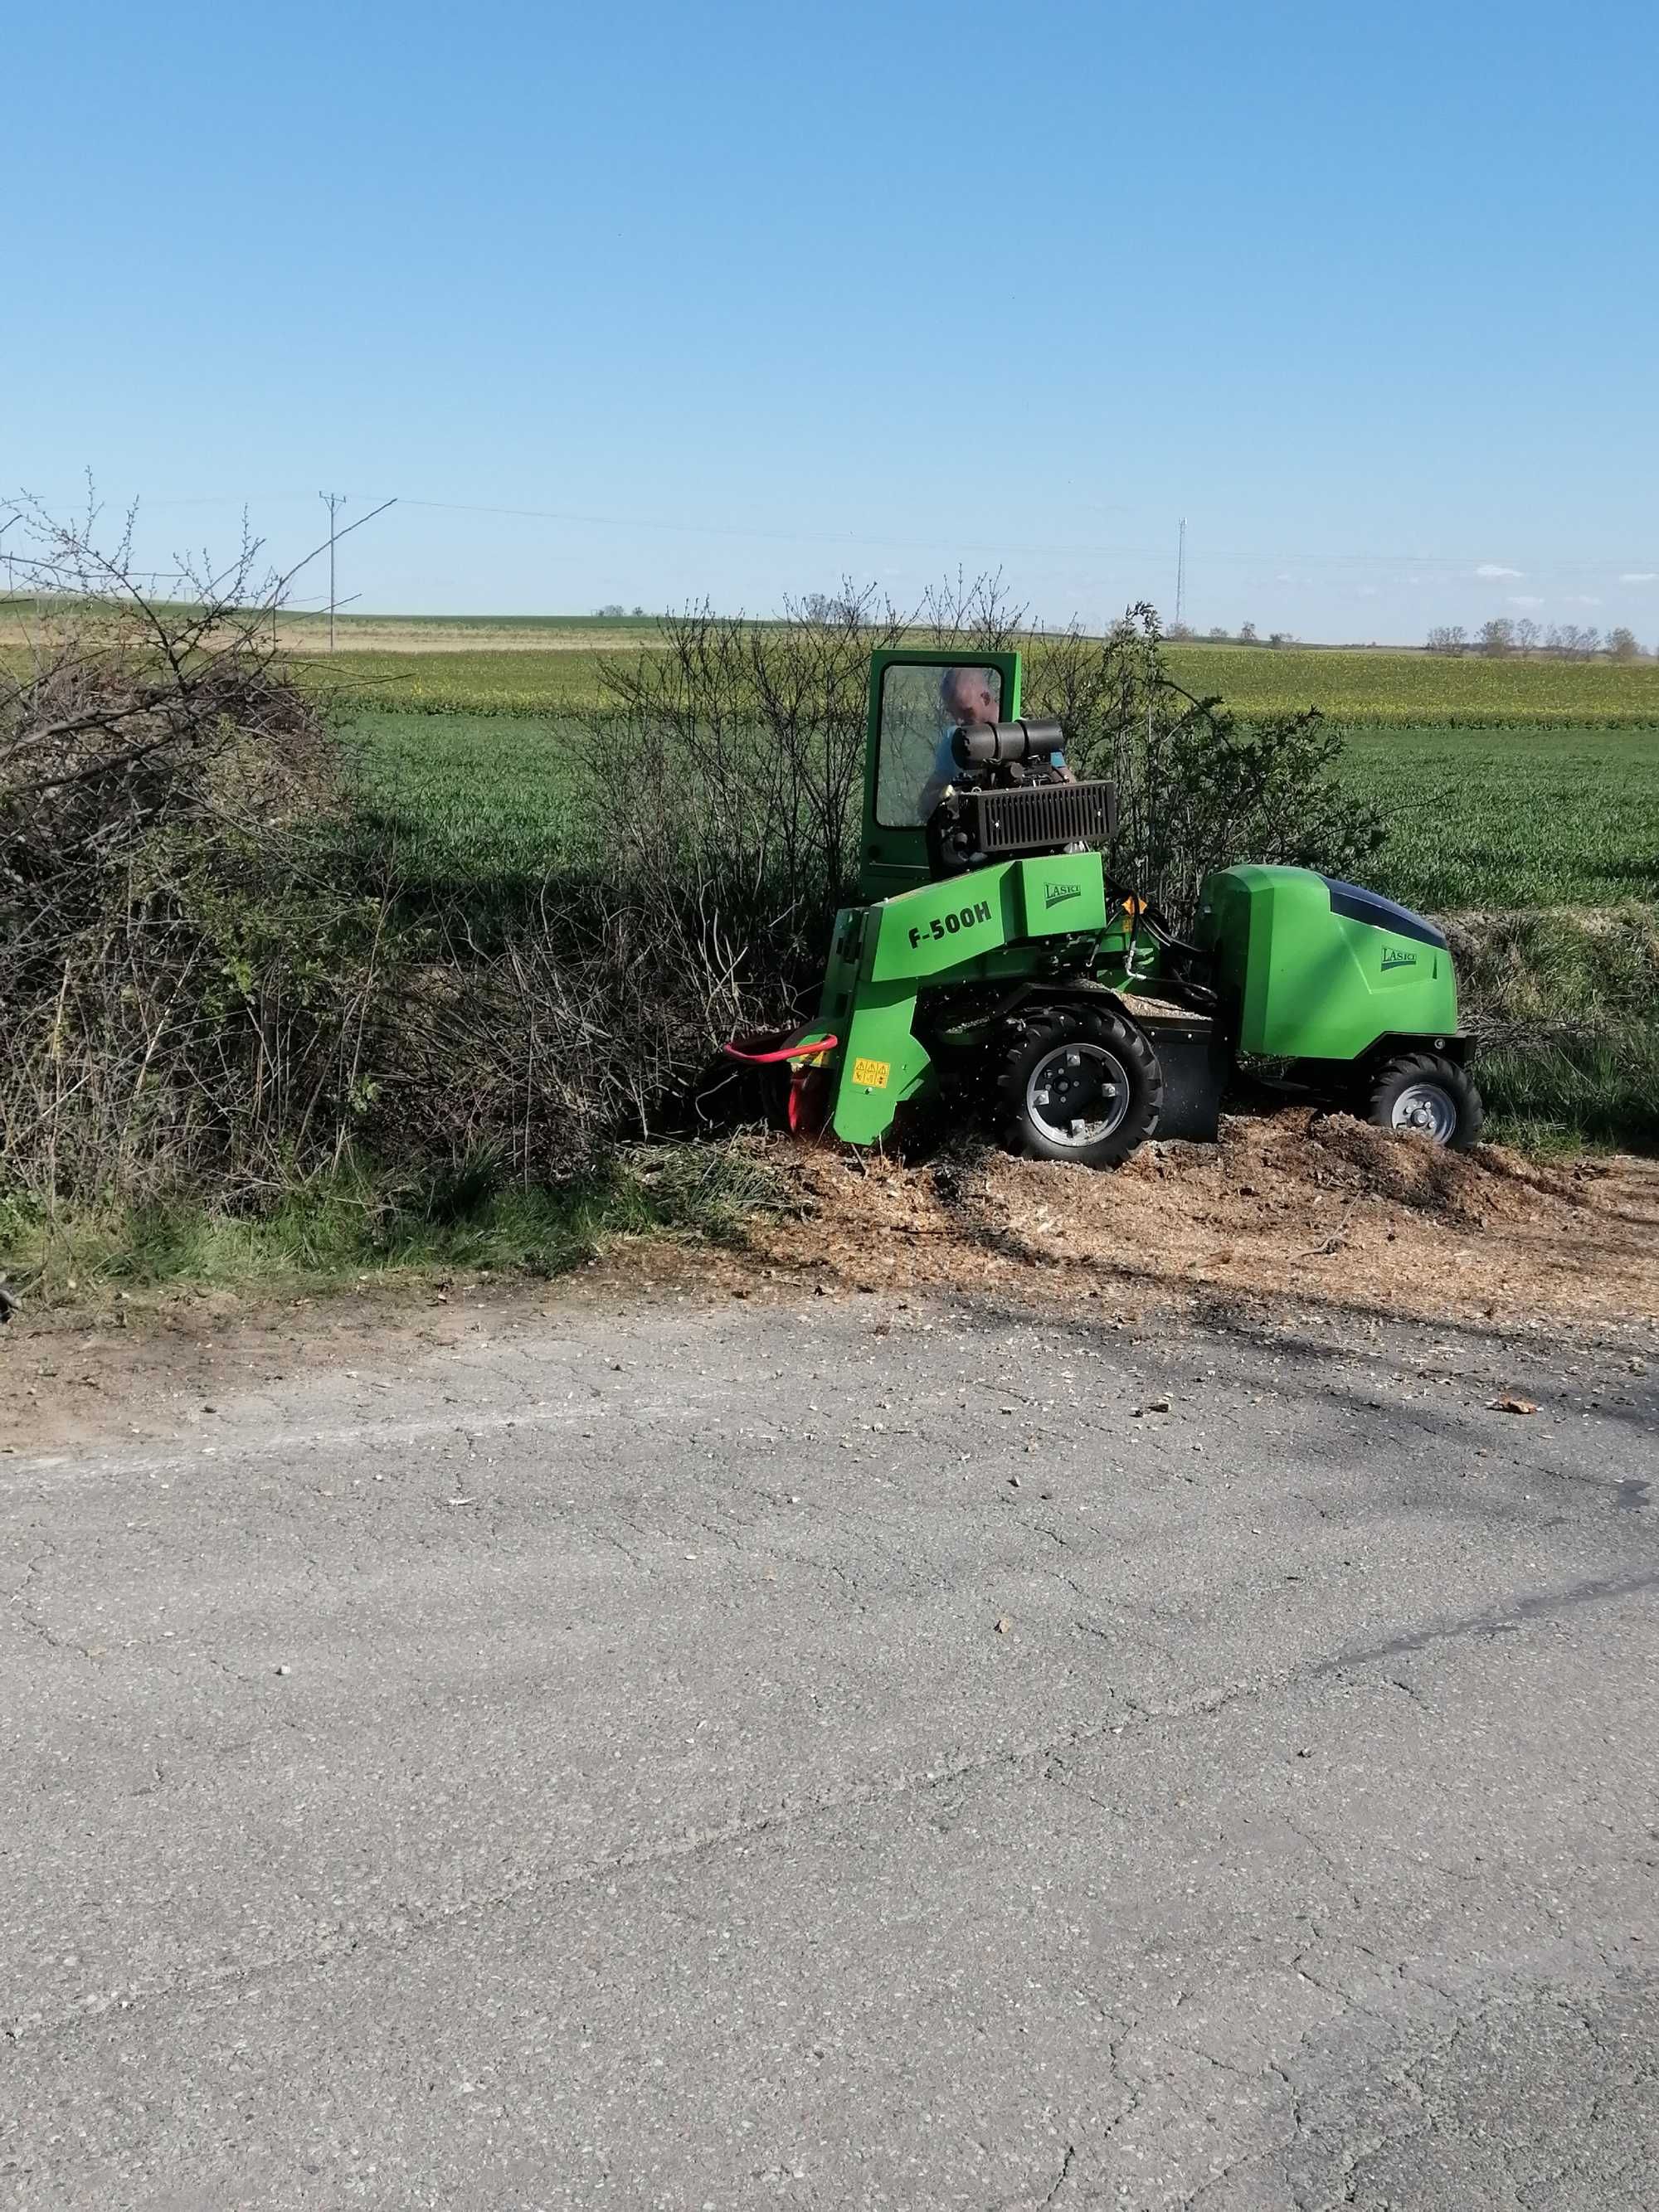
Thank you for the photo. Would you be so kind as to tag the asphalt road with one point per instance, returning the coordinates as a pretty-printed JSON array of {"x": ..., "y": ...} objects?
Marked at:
[{"x": 845, "y": 1753}]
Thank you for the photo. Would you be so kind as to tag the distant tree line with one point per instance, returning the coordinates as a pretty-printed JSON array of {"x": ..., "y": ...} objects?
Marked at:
[
  {"x": 1184, "y": 634},
  {"x": 1498, "y": 640},
  {"x": 1501, "y": 638}
]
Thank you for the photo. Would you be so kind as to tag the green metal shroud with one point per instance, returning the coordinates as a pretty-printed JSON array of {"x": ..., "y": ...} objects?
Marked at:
[{"x": 1311, "y": 982}]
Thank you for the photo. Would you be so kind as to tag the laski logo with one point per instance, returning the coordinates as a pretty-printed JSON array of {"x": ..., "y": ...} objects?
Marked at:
[
  {"x": 1398, "y": 960},
  {"x": 1057, "y": 893}
]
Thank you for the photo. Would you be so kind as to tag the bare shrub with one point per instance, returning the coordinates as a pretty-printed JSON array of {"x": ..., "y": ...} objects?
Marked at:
[
  {"x": 727, "y": 769},
  {"x": 1197, "y": 788},
  {"x": 184, "y": 986},
  {"x": 583, "y": 1022}
]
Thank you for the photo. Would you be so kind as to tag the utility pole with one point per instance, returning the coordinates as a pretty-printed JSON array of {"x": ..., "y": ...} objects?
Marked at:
[
  {"x": 331, "y": 500},
  {"x": 1181, "y": 575}
]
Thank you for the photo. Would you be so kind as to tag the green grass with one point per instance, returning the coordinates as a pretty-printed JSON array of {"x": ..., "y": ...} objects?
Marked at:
[
  {"x": 624, "y": 628},
  {"x": 1380, "y": 689},
  {"x": 1567, "y": 1005},
  {"x": 1559, "y": 1096},
  {"x": 352, "y": 1227},
  {"x": 1524, "y": 818},
  {"x": 480, "y": 800},
  {"x": 483, "y": 682}
]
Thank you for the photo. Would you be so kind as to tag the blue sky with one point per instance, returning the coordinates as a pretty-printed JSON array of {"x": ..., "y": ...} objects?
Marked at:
[{"x": 742, "y": 297}]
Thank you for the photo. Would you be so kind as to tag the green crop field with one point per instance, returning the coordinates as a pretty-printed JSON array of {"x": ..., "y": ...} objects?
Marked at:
[
  {"x": 487, "y": 800},
  {"x": 1410, "y": 690},
  {"x": 487, "y": 681},
  {"x": 1359, "y": 689},
  {"x": 1492, "y": 820},
  {"x": 1477, "y": 819}
]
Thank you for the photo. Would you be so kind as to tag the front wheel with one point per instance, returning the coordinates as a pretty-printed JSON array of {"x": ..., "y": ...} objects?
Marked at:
[
  {"x": 1078, "y": 1084},
  {"x": 1422, "y": 1094}
]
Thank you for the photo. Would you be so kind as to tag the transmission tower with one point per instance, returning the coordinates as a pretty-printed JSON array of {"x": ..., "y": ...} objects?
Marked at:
[{"x": 1181, "y": 575}]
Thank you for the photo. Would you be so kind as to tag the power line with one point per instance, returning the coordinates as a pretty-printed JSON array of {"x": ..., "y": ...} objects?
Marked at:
[
  {"x": 1245, "y": 555},
  {"x": 1448, "y": 563}
]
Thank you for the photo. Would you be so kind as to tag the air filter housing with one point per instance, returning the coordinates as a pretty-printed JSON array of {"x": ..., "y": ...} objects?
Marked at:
[{"x": 971, "y": 826}]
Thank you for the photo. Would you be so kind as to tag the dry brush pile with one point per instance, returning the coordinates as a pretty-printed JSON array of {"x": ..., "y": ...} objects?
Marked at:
[
  {"x": 184, "y": 989},
  {"x": 212, "y": 986}
]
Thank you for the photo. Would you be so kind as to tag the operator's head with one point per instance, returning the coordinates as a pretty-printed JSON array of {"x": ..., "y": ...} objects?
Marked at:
[{"x": 970, "y": 695}]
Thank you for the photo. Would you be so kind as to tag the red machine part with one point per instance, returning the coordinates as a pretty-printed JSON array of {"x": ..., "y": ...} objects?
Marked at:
[
  {"x": 809, "y": 1101},
  {"x": 787, "y": 1050},
  {"x": 808, "y": 1108}
]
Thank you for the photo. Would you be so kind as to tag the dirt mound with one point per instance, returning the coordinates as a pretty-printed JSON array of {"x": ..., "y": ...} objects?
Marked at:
[{"x": 1298, "y": 1204}]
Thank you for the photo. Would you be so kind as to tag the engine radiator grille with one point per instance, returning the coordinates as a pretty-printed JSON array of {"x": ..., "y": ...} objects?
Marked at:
[{"x": 1044, "y": 817}]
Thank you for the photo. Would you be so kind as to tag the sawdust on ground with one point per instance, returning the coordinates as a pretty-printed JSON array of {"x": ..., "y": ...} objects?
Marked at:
[
  {"x": 1293, "y": 1211},
  {"x": 1296, "y": 1205}
]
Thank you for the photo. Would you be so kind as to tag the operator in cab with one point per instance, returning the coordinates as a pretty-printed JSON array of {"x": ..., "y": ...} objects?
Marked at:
[{"x": 966, "y": 695}]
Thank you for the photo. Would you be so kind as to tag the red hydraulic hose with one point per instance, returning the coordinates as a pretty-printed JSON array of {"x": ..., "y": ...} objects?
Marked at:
[{"x": 781, "y": 1052}]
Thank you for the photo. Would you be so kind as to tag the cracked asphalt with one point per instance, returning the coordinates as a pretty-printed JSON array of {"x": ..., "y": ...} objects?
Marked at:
[{"x": 843, "y": 1751}]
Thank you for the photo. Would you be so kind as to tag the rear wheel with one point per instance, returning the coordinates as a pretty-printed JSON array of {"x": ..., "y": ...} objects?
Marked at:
[
  {"x": 1080, "y": 1085},
  {"x": 1422, "y": 1094}
]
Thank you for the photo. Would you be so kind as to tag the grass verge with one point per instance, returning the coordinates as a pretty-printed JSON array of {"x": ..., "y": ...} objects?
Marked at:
[
  {"x": 343, "y": 1230},
  {"x": 1564, "y": 1004},
  {"x": 1557, "y": 1098}
]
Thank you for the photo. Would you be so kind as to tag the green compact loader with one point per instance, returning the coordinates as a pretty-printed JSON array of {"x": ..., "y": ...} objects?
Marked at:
[{"x": 994, "y": 962}]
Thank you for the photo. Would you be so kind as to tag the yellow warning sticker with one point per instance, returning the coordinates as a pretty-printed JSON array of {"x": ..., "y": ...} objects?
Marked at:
[{"x": 874, "y": 1073}]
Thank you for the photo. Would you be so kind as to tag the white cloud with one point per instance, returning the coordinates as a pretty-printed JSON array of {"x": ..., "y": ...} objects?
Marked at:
[
  {"x": 1524, "y": 599},
  {"x": 1369, "y": 591},
  {"x": 1583, "y": 600},
  {"x": 1640, "y": 576},
  {"x": 1496, "y": 569}
]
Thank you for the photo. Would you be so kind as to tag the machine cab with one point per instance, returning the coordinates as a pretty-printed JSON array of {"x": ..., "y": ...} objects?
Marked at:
[{"x": 917, "y": 698}]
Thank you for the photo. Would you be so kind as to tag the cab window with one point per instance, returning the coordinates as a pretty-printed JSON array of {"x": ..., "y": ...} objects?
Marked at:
[{"x": 921, "y": 703}]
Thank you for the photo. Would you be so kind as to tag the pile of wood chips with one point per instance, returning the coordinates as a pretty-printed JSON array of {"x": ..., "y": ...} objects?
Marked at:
[{"x": 1296, "y": 1204}]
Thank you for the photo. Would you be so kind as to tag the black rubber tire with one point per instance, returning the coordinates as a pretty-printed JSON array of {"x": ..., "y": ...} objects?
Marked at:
[
  {"x": 1396, "y": 1076},
  {"x": 1037, "y": 1035}
]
